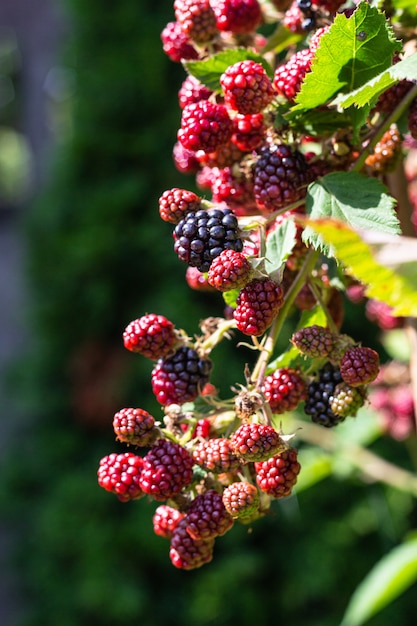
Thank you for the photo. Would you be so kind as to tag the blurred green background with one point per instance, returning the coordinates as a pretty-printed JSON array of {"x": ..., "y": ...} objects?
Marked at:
[{"x": 98, "y": 256}]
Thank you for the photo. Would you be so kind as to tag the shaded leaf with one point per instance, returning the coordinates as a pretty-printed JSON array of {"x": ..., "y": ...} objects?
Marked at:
[
  {"x": 389, "y": 578},
  {"x": 279, "y": 245}
]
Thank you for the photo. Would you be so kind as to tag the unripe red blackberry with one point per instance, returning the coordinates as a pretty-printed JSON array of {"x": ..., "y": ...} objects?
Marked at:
[
  {"x": 359, "y": 366},
  {"x": 167, "y": 469},
  {"x": 175, "y": 204},
  {"x": 165, "y": 520},
  {"x": 293, "y": 18},
  {"x": 198, "y": 280},
  {"x": 230, "y": 270},
  {"x": 226, "y": 155},
  {"x": 207, "y": 517},
  {"x": 246, "y": 86},
  {"x": 386, "y": 153},
  {"x": 382, "y": 314},
  {"x": 134, "y": 426},
  {"x": 120, "y": 474},
  {"x": 313, "y": 341},
  {"x": 197, "y": 19},
  {"x": 216, "y": 455},
  {"x": 347, "y": 400},
  {"x": 289, "y": 76},
  {"x": 280, "y": 177},
  {"x": 234, "y": 191},
  {"x": 153, "y": 336},
  {"x": 284, "y": 389},
  {"x": 181, "y": 377},
  {"x": 248, "y": 131},
  {"x": 203, "y": 235},
  {"x": 320, "y": 394},
  {"x": 185, "y": 160},
  {"x": 192, "y": 91},
  {"x": 241, "y": 500},
  {"x": 391, "y": 97},
  {"x": 316, "y": 37},
  {"x": 176, "y": 45},
  {"x": 256, "y": 442},
  {"x": 278, "y": 475},
  {"x": 237, "y": 16},
  {"x": 257, "y": 306},
  {"x": 187, "y": 553},
  {"x": 205, "y": 126}
]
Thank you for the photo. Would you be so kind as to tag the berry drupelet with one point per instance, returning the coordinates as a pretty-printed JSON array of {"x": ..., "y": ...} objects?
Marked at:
[
  {"x": 207, "y": 517},
  {"x": 134, "y": 426},
  {"x": 188, "y": 553},
  {"x": 241, "y": 500},
  {"x": 359, "y": 366},
  {"x": 165, "y": 520},
  {"x": 216, "y": 455},
  {"x": 197, "y": 19},
  {"x": 203, "y": 235},
  {"x": 230, "y": 270},
  {"x": 181, "y": 377},
  {"x": 256, "y": 442},
  {"x": 278, "y": 475},
  {"x": 313, "y": 341},
  {"x": 153, "y": 336},
  {"x": 120, "y": 474},
  {"x": 237, "y": 16},
  {"x": 167, "y": 469},
  {"x": 175, "y": 204},
  {"x": 284, "y": 389},
  {"x": 205, "y": 126}
]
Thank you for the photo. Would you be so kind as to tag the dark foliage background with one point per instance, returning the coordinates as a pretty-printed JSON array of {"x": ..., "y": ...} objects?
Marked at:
[{"x": 99, "y": 257}]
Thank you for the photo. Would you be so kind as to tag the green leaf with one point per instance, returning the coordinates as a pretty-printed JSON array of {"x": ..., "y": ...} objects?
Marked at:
[
  {"x": 279, "y": 245},
  {"x": 372, "y": 89},
  {"x": 209, "y": 70},
  {"x": 353, "y": 51},
  {"x": 317, "y": 122},
  {"x": 280, "y": 39},
  {"x": 382, "y": 282},
  {"x": 388, "y": 579},
  {"x": 230, "y": 297},
  {"x": 353, "y": 198}
]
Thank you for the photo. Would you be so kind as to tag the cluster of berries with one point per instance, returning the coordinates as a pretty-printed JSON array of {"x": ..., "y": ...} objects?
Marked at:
[{"x": 209, "y": 462}]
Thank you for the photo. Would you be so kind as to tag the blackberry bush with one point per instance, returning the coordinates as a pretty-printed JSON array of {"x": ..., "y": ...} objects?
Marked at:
[{"x": 296, "y": 153}]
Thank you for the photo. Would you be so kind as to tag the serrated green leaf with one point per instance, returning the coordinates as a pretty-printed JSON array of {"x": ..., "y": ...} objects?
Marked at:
[
  {"x": 388, "y": 579},
  {"x": 209, "y": 70},
  {"x": 290, "y": 358},
  {"x": 317, "y": 122},
  {"x": 381, "y": 282},
  {"x": 279, "y": 245},
  {"x": 314, "y": 317},
  {"x": 353, "y": 51},
  {"x": 353, "y": 198},
  {"x": 372, "y": 89}
]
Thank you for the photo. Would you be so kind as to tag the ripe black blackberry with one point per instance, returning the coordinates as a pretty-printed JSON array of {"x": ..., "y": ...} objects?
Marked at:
[
  {"x": 280, "y": 177},
  {"x": 203, "y": 235},
  {"x": 180, "y": 378},
  {"x": 320, "y": 394}
]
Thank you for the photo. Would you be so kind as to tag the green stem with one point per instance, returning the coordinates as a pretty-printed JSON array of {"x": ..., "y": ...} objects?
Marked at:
[
  {"x": 268, "y": 348},
  {"x": 384, "y": 126},
  {"x": 330, "y": 322},
  {"x": 370, "y": 464},
  {"x": 216, "y": 337}
]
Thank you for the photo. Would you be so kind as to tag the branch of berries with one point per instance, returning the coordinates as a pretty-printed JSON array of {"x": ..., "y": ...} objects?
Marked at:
[{"x": 214, "y": 461}]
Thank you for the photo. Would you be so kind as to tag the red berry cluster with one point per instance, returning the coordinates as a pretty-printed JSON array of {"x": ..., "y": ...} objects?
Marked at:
[{"x": 210, "y": 462}]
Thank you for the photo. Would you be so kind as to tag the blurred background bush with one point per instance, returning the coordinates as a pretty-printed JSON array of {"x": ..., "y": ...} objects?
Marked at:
[{"x": 96, "y": 255}]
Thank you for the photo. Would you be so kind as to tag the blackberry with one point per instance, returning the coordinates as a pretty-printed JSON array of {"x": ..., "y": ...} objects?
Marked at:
[
  {"x": 237, "y": 16},
  {"x": 175, "y": 43},
  {"x": 203, "y": 235},
  {"x": 165, "y": 520},
  {"x": 191, "y": 91},
  {"x": 248, "y": 131},
  {"x": 347, "y": 400},
  {"x": 280, "y": 177},
  {"x": 278, "y": 475},
  {"x": 174, "y": 204},
  {"x": 256, "y": 442},
  {"x": 181, "y": 377},
  {"x": 185, "y": 160},
  {"x": 167, "y": 469},
  {"x": 284, "y": 389},
  {"x": 230, "y": 270},
  {"x": 313, "y": 341},
  {"x": 187, "y": 553},
  {"x": 386, "y": 153},
  {"x": 288, "y": 77},
  {"x": 246, "y": 87},
  {"x": 205, "y": 126},
  {"x": 197, "y": 19},
  {"x": 120, "y": 474},
  {"x": 234, "y": 191},
  {"x": 320, "y": 394},
  {"x": 257, "y": 306},
  {"x": 241, "y": 500},
  {"x": 207, "y": 517},
  {"x": 197, "y": 280},
  {"x": 216, "y": 455},
  {"x": 293, "y": 18},
  {"x": 153, "y": 336},
  {"x": 134, "y": 426},
  {"x": 359, "y": 366}
]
